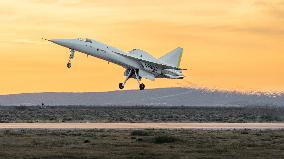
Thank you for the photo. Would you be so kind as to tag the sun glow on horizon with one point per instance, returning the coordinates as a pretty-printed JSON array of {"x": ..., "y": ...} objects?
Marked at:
[{"x": 228, "y": 45}]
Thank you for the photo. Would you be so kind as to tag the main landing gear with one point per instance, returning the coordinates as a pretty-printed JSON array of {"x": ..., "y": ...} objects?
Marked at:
[
  {"x": 131, "y": 73},
  {"x": 142, "y": 86},
  {"x": 71, "y": 57}
]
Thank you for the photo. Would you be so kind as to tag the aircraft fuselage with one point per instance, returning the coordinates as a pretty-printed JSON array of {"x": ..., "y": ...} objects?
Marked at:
[
  {"x": 98, "y": 50},
  {"x": 137, "y": 63}
]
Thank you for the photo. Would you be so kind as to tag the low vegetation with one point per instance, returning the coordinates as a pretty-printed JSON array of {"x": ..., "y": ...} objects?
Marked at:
[
  {"x": 165, "y": 139},
  {"x": 166, "y": 144},
  {"x": 140, "y": 114}
]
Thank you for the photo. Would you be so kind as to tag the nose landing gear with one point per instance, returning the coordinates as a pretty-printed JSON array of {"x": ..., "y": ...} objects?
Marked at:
[
  {"x": 71, "y": 57},
  {"x": 69, "y": 65}
]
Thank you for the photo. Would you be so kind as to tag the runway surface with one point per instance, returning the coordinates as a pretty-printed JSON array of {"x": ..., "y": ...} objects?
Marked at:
[{"x": 142, "y": 126}]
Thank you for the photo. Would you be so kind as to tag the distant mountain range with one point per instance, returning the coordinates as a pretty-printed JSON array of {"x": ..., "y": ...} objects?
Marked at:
[{"x": 151, "y": 97}]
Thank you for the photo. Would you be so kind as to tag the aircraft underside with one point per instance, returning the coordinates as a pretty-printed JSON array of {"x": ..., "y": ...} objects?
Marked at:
[{"x": 130, "y": 73}]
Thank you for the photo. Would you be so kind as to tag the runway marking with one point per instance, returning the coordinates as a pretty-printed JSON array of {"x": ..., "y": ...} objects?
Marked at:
[{"x": 212, "y": 126}]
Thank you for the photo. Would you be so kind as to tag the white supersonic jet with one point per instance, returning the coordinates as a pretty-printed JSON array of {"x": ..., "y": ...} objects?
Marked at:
[{"x": 138, "y": 63}]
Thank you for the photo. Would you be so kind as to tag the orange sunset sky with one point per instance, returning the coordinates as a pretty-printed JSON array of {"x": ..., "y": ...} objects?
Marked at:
[{"x": 228, "y": 44}]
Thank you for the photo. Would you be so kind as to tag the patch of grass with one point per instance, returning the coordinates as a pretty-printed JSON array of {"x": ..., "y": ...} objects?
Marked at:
[
  {"x": 140, "y": 133},
  {"x": 165, "y": 139},
  {"x": 165, "y": 144},
  {"x": 140, "y": 114}
]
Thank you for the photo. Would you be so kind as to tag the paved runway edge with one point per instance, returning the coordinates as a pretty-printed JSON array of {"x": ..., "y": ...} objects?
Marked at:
[{"x": 213, "y": 126}]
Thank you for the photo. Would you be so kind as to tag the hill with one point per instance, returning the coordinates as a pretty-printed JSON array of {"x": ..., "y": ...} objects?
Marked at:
[{"x": 151, "y": 97}]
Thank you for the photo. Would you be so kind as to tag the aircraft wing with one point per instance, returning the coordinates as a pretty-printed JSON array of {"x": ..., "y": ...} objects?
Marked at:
[
  {"x": 146, "y": 75},
  {"x": 152, "y": 62}
]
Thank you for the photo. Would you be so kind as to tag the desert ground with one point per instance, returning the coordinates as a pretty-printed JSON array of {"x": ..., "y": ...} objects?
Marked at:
[
  {"x": 74, "y": 132},
  {"x": 204, "y": 126},
  {"x": 139, "y": 114},
  {"x": 148, "y": 143}
]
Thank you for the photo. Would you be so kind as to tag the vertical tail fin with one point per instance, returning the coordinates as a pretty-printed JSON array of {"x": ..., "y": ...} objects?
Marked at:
[{"x": 173, "y": 58}]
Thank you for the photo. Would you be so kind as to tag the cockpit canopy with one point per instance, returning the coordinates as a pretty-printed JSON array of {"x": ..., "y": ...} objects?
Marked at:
[{"x": 85, "y": 40}]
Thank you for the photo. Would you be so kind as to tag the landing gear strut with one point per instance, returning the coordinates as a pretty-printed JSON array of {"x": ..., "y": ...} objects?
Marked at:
[
  {"x": 138, "y": 78},
  {"x": 72, "y": 52},
  {"x": 131, "y": 73}
]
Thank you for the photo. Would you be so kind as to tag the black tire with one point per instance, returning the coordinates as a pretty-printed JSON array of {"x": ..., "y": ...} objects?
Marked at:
[
  {"x": 121, "y": 86},
  {"x": 142, "y": 86},
  {"x": 69, "y": 65}
]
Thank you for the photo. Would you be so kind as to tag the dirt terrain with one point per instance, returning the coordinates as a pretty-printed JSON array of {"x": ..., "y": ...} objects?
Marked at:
[
  {"x": 207, "y": 126},
  {"x": 149, "y": 143},
  {"x": 138, "y": 114}
]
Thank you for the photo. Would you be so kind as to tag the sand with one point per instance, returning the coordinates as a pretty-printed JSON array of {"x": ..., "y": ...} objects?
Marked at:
[{"x": 142, "y": 126}]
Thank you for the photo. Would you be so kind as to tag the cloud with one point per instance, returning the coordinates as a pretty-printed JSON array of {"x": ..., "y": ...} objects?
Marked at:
[
  {"x": 21, "y": 41},
  {"x": 273, "y": 8},
  {"x": 257, "y": 29},
  {"x": 6, "y": 9},
  {"x": 45, "y": 1}
]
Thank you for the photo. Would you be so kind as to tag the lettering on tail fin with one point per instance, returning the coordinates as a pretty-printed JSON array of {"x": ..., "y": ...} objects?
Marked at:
[{"x": 172, "y": 58}]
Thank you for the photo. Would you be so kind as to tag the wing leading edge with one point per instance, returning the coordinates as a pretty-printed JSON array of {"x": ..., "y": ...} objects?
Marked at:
[{"x": 150, "y": 61}]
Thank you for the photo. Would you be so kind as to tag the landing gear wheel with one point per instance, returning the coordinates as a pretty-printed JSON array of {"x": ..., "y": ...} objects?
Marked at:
[
  {"x": 121, "y": 86},
  {"x": 142, "y": 86},
  {"x": 68, "y": 65}
]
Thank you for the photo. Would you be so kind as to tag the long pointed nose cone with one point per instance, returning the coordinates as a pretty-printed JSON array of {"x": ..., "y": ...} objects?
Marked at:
[
  {"x": 63, "y": 42},
  {"x": 57, "y": 41}
]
